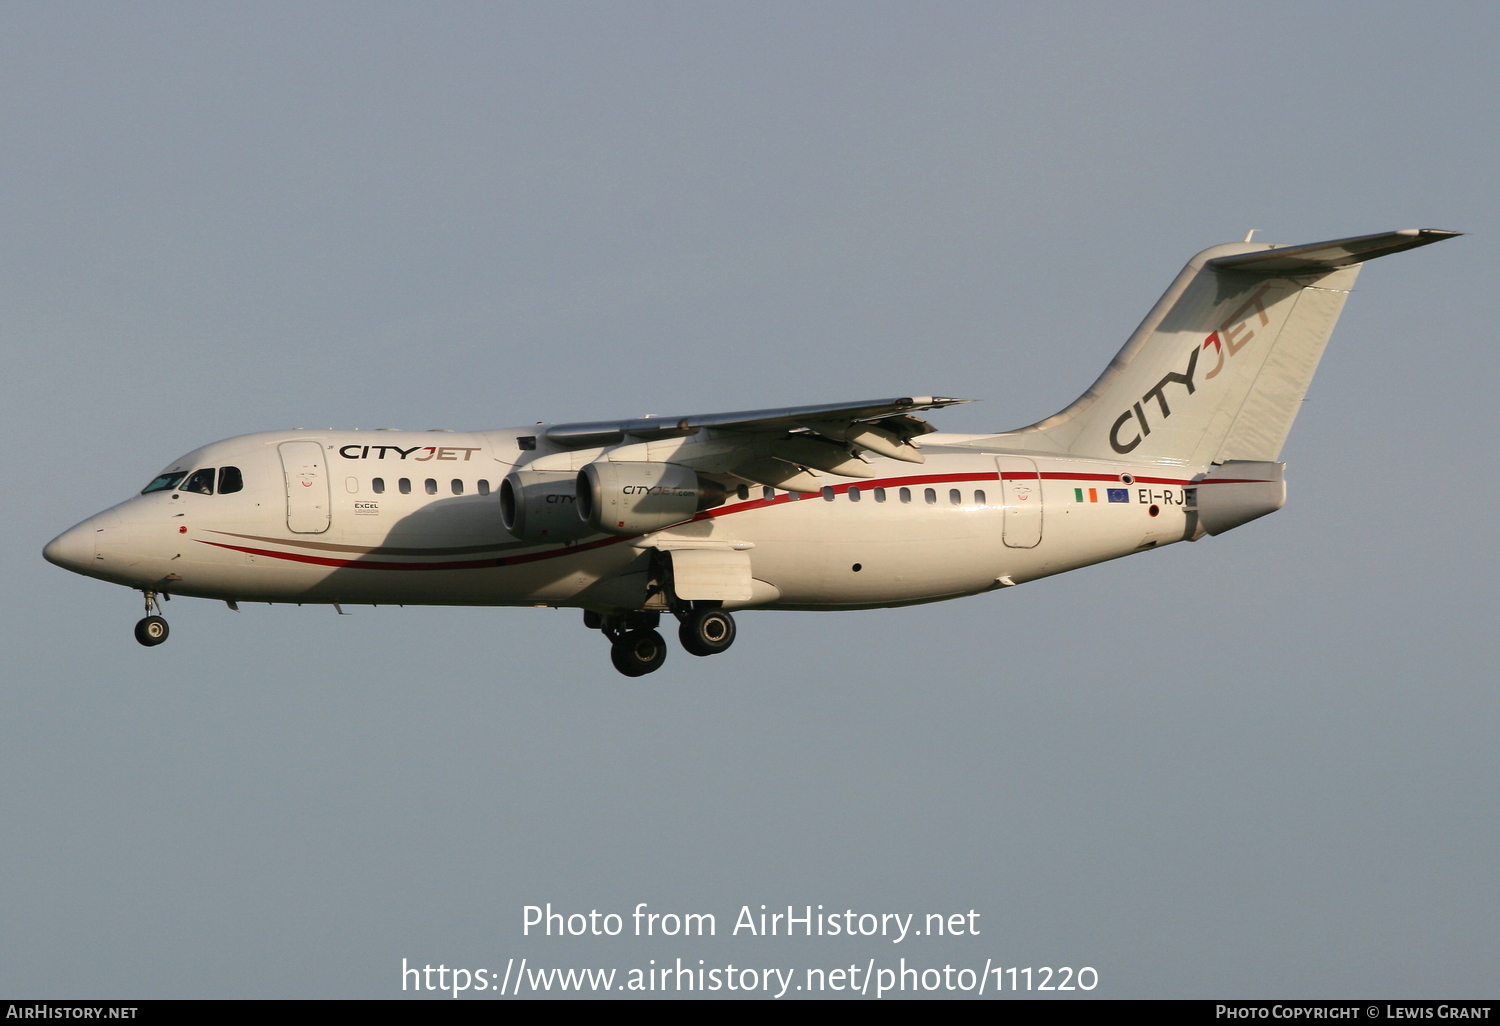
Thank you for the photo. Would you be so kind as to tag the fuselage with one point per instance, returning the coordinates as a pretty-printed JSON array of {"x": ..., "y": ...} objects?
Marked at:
[{"x": 384, "y": 517}]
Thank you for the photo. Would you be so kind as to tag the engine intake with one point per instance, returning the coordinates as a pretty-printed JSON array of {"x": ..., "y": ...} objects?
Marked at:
[
  {"x": 540, "y": 506},
  {"x": 633, "y": 498}
]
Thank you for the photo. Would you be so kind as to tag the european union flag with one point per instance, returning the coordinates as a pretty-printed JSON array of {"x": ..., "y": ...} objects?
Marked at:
[{"x": 1119, "y": 494}]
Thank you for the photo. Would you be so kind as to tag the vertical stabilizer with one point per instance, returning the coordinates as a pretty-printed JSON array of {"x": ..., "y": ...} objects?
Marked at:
[{"x": 1219, "y": 367}]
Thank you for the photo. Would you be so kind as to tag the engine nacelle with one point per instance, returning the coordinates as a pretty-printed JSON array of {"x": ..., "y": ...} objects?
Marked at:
[
  {"x": 633, "y": 498},
  {"x": 541, "y": 506}
]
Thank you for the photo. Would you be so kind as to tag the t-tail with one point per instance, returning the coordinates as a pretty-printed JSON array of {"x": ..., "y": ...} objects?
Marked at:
[{"x": 1219, "y": 367}]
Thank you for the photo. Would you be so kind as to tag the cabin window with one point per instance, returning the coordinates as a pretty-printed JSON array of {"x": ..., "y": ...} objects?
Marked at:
[
  {"x": 827, "y": 494},
  {"x": 955, "y": 497},
  {"x": 404, "y": 486},
  {"x": 457, "y": 486},
  {"x": 377, "y": 485},
  {"x": 164, "y": 482},
  {"x": 351, "y": 485},
  {"x": 880, "y": 495},
  {"x": 201, "y": 482},
  {"x": 979, "y": 498},
  {"x": 431, "y": 486},
  {"x": 853, "y": 494},
  {"x": 743, "y": 491},
  {"x": 230, "y": 480},
  {"x": 484, "y": 487},
  {"x": 906, "y": 495},
  {"x": 767, "y": 492},
  {"x": 929, "y": 495}
]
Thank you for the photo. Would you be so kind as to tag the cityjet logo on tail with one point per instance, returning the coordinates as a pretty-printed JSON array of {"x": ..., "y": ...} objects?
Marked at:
[{"x": 1233, "y": 335}]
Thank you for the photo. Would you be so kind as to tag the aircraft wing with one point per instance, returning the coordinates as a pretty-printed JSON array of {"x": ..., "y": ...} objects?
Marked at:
[
  {"x": 781, "y": 448},
  {"x": 613, "y": 432}
]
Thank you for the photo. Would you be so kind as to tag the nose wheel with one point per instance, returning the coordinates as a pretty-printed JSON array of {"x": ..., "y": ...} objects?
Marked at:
[{"x": 152, "y": 630}]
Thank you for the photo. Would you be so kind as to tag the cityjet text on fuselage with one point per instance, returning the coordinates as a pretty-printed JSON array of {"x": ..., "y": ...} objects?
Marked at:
[{"x": 356, "y": 451}]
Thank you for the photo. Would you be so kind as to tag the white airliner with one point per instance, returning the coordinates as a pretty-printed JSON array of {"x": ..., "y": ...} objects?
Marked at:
[{"x": 841, "y": 506}]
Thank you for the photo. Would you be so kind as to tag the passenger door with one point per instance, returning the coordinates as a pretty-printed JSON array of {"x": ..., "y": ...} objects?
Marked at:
[
  {"x": 307, "y": 497},
  {"x": 1021, "y": 491}
]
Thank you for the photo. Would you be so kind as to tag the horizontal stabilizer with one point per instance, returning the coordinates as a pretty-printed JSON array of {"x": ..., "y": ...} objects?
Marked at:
[{"x": 1327, "y": 256}]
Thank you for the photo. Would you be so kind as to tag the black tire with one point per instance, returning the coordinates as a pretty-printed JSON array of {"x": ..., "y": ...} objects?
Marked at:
[
  {"x": 638, "y": 653},
  {"x": 151, "y": 631},
  {"x": 707, "y": 632}
]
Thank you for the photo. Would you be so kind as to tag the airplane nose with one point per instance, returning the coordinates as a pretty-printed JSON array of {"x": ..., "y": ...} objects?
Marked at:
[{"x": 73, "y": 549}]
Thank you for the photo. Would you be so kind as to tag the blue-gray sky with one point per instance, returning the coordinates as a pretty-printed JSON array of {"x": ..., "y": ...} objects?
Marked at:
[{"x": 1262, "y": 764}]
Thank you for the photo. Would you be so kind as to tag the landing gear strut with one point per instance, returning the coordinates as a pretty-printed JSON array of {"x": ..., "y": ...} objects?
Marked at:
[{"x": 152, "y": 630}]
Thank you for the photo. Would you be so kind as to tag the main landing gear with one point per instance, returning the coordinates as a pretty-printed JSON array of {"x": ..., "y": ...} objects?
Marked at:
[
  {"x": 152, "y": 630},
  {"x": 706, "y": 632},
  {"x": 637, "y": 648}
]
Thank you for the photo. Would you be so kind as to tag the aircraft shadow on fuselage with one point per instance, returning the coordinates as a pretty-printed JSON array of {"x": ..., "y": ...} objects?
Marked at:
[{"x": 452, "y": 550}]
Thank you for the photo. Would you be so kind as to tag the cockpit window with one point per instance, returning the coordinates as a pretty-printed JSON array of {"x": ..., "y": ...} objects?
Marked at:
[
  {"x": 164, "y": 482},
  {"x": 230, "y": 480},
  {"x": 201, "y": 482}
]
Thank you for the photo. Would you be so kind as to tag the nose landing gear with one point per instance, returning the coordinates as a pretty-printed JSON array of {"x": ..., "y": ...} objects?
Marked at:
[{"x": 152, "y": 630}]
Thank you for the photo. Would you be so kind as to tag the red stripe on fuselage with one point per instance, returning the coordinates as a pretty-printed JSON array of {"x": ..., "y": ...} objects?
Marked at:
[{"x": 372, "y": 564}]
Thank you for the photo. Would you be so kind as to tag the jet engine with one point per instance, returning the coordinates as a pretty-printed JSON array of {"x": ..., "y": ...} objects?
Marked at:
[
  {"x": 633, "y": 498},
  {"x": 540, "y": 506}
]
